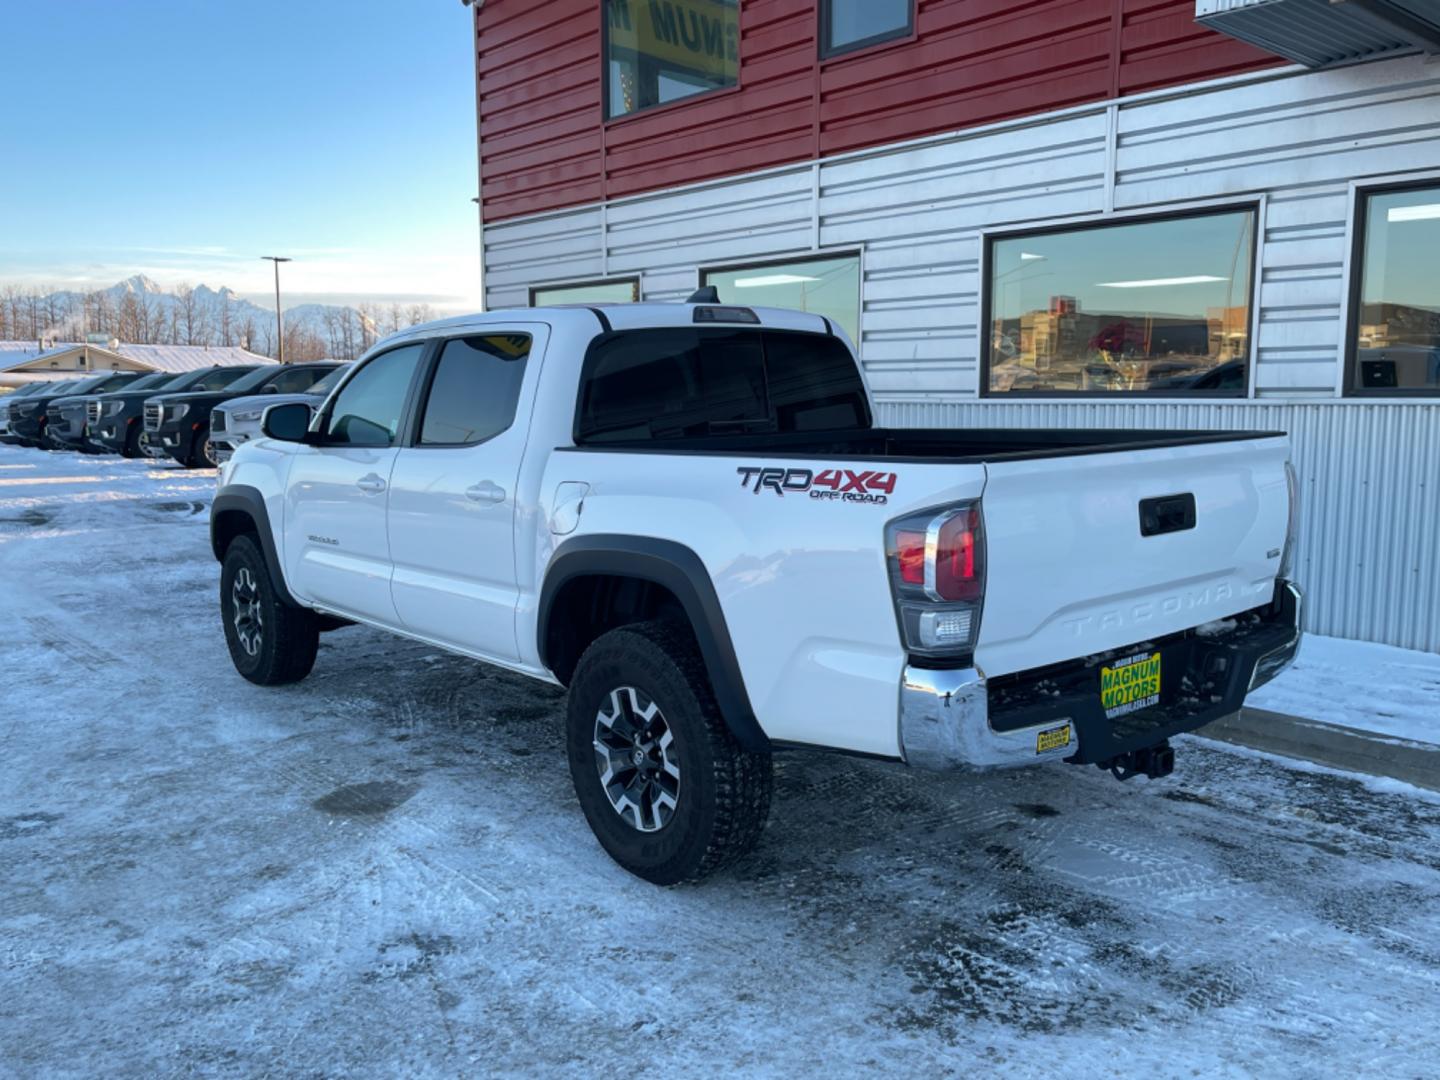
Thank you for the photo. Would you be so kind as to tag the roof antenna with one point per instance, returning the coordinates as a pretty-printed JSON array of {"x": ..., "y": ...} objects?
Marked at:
[{"x": 706, "y": 294}]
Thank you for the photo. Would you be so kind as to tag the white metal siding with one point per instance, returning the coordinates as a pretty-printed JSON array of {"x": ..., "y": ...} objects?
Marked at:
[
  {"x": 1369, "y": 552},
  {"x": 1370, "y": 556}
]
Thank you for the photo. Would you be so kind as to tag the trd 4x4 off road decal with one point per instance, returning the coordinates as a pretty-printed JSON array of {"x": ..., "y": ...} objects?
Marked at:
[{"x": 847, "y": 485}]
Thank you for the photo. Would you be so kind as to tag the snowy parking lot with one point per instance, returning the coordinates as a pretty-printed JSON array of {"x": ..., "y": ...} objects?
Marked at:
[{"x": 382, "y": 870}]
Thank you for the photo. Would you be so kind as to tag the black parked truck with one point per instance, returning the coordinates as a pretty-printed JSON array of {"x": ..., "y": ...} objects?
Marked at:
[
  {"x": 67, "y": 417},
  {"x": 29, "y": 417},
  {"x": 8, "y": 403},
  {"x": 82, "y": 414},
  {"x": 119, "y": 426},
  {"x": 178, "y": 425}
]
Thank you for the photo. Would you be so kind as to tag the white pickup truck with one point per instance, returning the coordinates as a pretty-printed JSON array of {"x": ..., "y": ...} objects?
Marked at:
[{"x": 685, "y": 514}]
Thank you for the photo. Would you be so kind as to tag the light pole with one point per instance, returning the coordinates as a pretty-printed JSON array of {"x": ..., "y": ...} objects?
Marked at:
[{"x": 279, "y": 328}]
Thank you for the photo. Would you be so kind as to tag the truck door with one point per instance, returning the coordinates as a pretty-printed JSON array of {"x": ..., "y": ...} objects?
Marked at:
[
  {"x": 452, "y": 492},
  {"x": 336, "y": 552}
]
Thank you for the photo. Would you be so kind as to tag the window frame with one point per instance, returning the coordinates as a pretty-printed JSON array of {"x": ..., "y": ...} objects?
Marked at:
[
  {"x": 1255, "y": 205},
  {"x": 320, "y": 423},
  {"x": 431, "y": 368},
  {"x": 1360, "y": 193},
  {"x": 700, "y": 95},
  {"x": 857, "y": 252},
  {"x": 823, "y": 27},
  {"x": 633, "y": 280}
]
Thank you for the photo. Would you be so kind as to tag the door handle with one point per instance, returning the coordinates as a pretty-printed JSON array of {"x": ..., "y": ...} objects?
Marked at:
[
  {"x": 371, "y": 484},
  {"x": 485, "y": 492}
]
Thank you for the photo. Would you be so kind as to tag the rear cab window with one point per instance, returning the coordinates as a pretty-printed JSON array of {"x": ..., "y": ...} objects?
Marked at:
[{"x": 692, "y": 382}]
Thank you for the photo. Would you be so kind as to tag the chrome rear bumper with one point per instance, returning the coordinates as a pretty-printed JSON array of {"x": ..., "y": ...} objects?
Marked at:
[{"x": 946, "y": 721}]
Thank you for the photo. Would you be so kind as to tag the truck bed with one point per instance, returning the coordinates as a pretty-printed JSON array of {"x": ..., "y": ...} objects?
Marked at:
[{"x": 932, "y": 445}]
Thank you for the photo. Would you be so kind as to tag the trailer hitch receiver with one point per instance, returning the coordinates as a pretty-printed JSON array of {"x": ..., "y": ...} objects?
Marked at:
[{"x": 1152, "y": 761}]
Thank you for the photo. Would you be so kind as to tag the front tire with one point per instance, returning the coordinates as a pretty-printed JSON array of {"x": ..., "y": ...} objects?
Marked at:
[
  {"x": 668, "y": 792},
  {"x": 202, "y": 451},
  {"x": 271, "y": 643}
]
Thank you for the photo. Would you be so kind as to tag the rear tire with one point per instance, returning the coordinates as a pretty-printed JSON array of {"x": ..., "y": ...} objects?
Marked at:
[
  {"x": 271, "y": 643},
  {"x": 668, "y": 792}
]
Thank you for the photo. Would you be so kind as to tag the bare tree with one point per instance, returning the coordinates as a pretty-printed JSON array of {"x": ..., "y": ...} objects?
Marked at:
[
  {"x": 227, "y": 320},
  {"x": 127, "y": 319},
  {"x": 189, "y": 316}
]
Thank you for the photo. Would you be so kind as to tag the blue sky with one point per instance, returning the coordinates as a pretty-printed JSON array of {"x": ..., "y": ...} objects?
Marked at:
[{"x": 186, "y": 138}]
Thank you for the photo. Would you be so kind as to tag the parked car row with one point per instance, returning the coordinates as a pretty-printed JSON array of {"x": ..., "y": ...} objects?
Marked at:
[{"x": 197, "y": 418}]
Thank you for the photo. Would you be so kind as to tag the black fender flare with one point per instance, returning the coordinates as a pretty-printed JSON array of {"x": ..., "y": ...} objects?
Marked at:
[
  {"x": 675, "y": 567},
  {"x": 246, "y": 500}
]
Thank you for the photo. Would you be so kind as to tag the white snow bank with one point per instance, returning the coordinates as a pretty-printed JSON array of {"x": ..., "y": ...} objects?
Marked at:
[{"x": 1394, "y": 692}]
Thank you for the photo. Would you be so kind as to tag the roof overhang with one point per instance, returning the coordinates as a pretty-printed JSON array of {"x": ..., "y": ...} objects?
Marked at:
[
  {"x": 70, "y": 359},
  {"x": 1318, "y": 33}
]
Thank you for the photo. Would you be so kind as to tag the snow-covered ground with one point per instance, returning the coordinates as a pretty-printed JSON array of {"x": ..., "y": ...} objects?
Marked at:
[
  {"x": 1394, "y": 692},
  {"x": 382, "y": 871}
]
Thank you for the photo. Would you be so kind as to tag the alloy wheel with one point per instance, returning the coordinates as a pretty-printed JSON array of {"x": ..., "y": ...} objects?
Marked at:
[
  {"x": 245, "y": 599},
  {"x": 633, "y": 754}
]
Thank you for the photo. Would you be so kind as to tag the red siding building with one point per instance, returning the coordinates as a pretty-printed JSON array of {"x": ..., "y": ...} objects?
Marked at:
[
  {"x": 965, "y": 63},
  {"x": 1137, "y": 213}
]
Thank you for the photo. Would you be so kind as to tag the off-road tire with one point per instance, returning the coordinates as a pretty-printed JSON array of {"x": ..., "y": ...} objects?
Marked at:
[
  {"x": 132, "y": 442},
  {"x": 724, "y": 791},
  {"x": 288, "y": 637}
]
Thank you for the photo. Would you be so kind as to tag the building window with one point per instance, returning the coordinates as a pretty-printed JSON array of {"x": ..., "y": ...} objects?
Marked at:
[
  {"x": 659, "y": 51},
  {"x": 1157, "y": 306},
  {"x": 1395, "y": 336},
  {"x": 615, "y": 291},
  {"x": 828, "y": 286},
  {"x": 847, "y": 25}
]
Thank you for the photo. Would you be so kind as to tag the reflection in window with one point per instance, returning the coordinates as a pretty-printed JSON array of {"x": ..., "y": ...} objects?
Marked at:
[
  {"x": 854, "y": 24},
  {"x": 686, "y": 382},
  {"x": 1160, "y": 305},
  {"x": 659, "y": 51},
  {"x": 367, "y": 410},
  {"x": 475, "y": 390},
  {"x": 625, "y": 291},
  {"x": 827, "y": 286},
  {"x": 1397, "y": 332}
]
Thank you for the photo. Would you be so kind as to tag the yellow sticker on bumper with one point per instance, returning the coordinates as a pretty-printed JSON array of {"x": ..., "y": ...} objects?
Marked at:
[
  {"x": 1131, "y": 685},
  {"x": 1053, "y": 739}
]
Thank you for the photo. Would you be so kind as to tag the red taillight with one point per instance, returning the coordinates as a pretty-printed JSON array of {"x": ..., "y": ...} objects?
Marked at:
[
  {"x": 910, "y": 551},
  {"x": 958, "y": 571}
]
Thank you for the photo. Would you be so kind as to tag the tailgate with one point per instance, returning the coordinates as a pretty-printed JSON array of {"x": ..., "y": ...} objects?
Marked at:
[{"x": 1072, "y": 573}]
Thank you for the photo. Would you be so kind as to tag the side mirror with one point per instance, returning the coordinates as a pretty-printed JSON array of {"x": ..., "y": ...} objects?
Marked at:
[
  {"x": 288, "y": 423},
  {"x": 271, "y": 389}
]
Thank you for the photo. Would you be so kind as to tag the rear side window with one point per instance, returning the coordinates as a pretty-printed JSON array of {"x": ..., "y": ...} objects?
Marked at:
[
  {"x": 297, "y": 381},
  {"x": 475, "y": 389},
  {"x": 220, "y": 378},
  {"x": 688, "y": 382}
]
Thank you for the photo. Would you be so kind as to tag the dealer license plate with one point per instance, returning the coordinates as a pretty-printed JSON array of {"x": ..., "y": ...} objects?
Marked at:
[{"x": 1131, "y": 685}]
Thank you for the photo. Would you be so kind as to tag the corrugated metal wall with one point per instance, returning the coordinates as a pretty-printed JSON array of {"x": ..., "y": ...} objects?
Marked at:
[
  {"x": 1369, "y": 552},
  {"x": 917, "y": 212},
  {"x": 970, "y": 62}
]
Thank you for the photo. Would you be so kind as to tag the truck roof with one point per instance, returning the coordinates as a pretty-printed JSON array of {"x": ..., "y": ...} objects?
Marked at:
[{"x": 639, "y": 316}]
